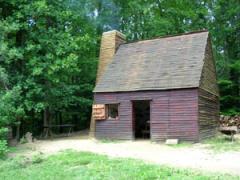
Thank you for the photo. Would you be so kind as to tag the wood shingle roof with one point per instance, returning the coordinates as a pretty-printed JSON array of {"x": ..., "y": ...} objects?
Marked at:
[{"x": 158, "y": 64}]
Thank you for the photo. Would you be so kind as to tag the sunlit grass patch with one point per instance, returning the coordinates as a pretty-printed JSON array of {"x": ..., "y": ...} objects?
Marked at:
[{"x": 84, "y": 165}]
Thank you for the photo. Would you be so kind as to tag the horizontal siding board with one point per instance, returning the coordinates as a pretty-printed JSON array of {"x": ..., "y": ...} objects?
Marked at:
[{"x": 208, "y": 114}]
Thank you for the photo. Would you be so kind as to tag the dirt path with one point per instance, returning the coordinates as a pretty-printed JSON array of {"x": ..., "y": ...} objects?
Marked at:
[{"x": 195, "y": 157}]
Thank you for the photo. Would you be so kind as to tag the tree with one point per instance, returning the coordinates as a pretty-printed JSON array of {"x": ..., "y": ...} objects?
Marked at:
[
  {"x": 225, "y": 28},
  {"x": 49, "y": 53},
  {"x": 146, "y": 19}
]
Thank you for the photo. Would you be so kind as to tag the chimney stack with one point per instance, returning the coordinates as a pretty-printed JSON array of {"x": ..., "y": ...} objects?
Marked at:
[{"x": 110, "y": 42}]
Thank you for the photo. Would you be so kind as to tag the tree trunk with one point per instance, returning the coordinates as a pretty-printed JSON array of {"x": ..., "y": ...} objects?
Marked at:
[
  {"x": 45, "y": 117},
  {"x": 18, "y": 132},
  {"x": 61, "y": 122},
  {"x": 46, "y": 123}
]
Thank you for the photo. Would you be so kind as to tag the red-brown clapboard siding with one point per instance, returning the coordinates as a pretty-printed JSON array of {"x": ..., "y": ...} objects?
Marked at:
[
  {"x": 174, "y": 114},
  {"x": 208, "y": 114},
  {"x": 208, "y": 97}
]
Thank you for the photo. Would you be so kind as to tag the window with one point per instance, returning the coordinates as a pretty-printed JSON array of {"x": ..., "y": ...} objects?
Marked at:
[{"x": 112, "y": 111}]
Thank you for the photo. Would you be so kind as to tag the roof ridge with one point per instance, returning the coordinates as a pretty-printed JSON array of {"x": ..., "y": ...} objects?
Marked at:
[{"x": 168, "y": 36}]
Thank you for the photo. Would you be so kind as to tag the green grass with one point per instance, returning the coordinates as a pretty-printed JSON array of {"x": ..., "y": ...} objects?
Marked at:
[
  {"x": 222, "y": 143},
  {"x": 84, "y": 166}
]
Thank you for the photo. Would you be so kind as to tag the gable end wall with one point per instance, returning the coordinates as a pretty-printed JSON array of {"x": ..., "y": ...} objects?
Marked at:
[{"x": 208, "y": 97}]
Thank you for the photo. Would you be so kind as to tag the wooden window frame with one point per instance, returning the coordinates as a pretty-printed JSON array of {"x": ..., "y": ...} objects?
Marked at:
[{"x": 107, "y": 109}]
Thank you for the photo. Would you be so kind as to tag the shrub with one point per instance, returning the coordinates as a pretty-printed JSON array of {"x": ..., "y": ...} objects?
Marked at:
[
  {"x": 3, "y": 133},
  {"x": 3, "y": 142},
  {"x": 3, "y": 148}
]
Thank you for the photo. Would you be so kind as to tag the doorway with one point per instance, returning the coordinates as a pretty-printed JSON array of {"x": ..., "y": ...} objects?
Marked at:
[{"x": 141, "y": 119}]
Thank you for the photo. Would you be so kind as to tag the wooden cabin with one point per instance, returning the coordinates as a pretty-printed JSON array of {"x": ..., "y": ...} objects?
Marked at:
[{"x": 163, "y": 88}]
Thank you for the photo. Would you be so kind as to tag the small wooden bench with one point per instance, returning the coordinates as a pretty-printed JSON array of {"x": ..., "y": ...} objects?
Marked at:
[{"x": 47, "y": 130}]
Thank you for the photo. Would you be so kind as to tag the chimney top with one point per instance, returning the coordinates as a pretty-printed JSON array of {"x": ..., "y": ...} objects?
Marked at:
[{"x": 119, "y": 34}]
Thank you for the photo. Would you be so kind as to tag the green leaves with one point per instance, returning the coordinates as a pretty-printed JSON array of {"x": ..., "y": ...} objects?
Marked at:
[
  {"x": 3, "y": 79},
  {"x": 45, "y": 53},
  {"x": 11, "y": 107},
  {"x": 225, "y": 29},
  {"x": 3, "y": 148},
  {"x": 147, "y": 19}
]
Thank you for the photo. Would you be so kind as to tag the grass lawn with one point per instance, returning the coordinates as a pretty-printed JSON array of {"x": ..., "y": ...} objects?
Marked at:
[
  {"x": 222, "y": 143},
  {"x": 83, "y": 165}
]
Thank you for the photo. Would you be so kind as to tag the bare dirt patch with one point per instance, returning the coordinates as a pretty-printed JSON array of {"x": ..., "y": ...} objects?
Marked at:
[{"x": 195, "y": 156}]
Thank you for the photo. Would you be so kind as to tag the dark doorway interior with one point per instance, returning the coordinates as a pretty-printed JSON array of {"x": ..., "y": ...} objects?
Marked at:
[{"x": 141, "y": 119}]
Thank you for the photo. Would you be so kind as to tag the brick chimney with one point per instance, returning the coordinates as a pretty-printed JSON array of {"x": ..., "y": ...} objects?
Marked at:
[{"x": 110, "y": 42}]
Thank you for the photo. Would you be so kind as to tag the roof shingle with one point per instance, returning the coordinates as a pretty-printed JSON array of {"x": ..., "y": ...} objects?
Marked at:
[{"x": 158, "y": 64}]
